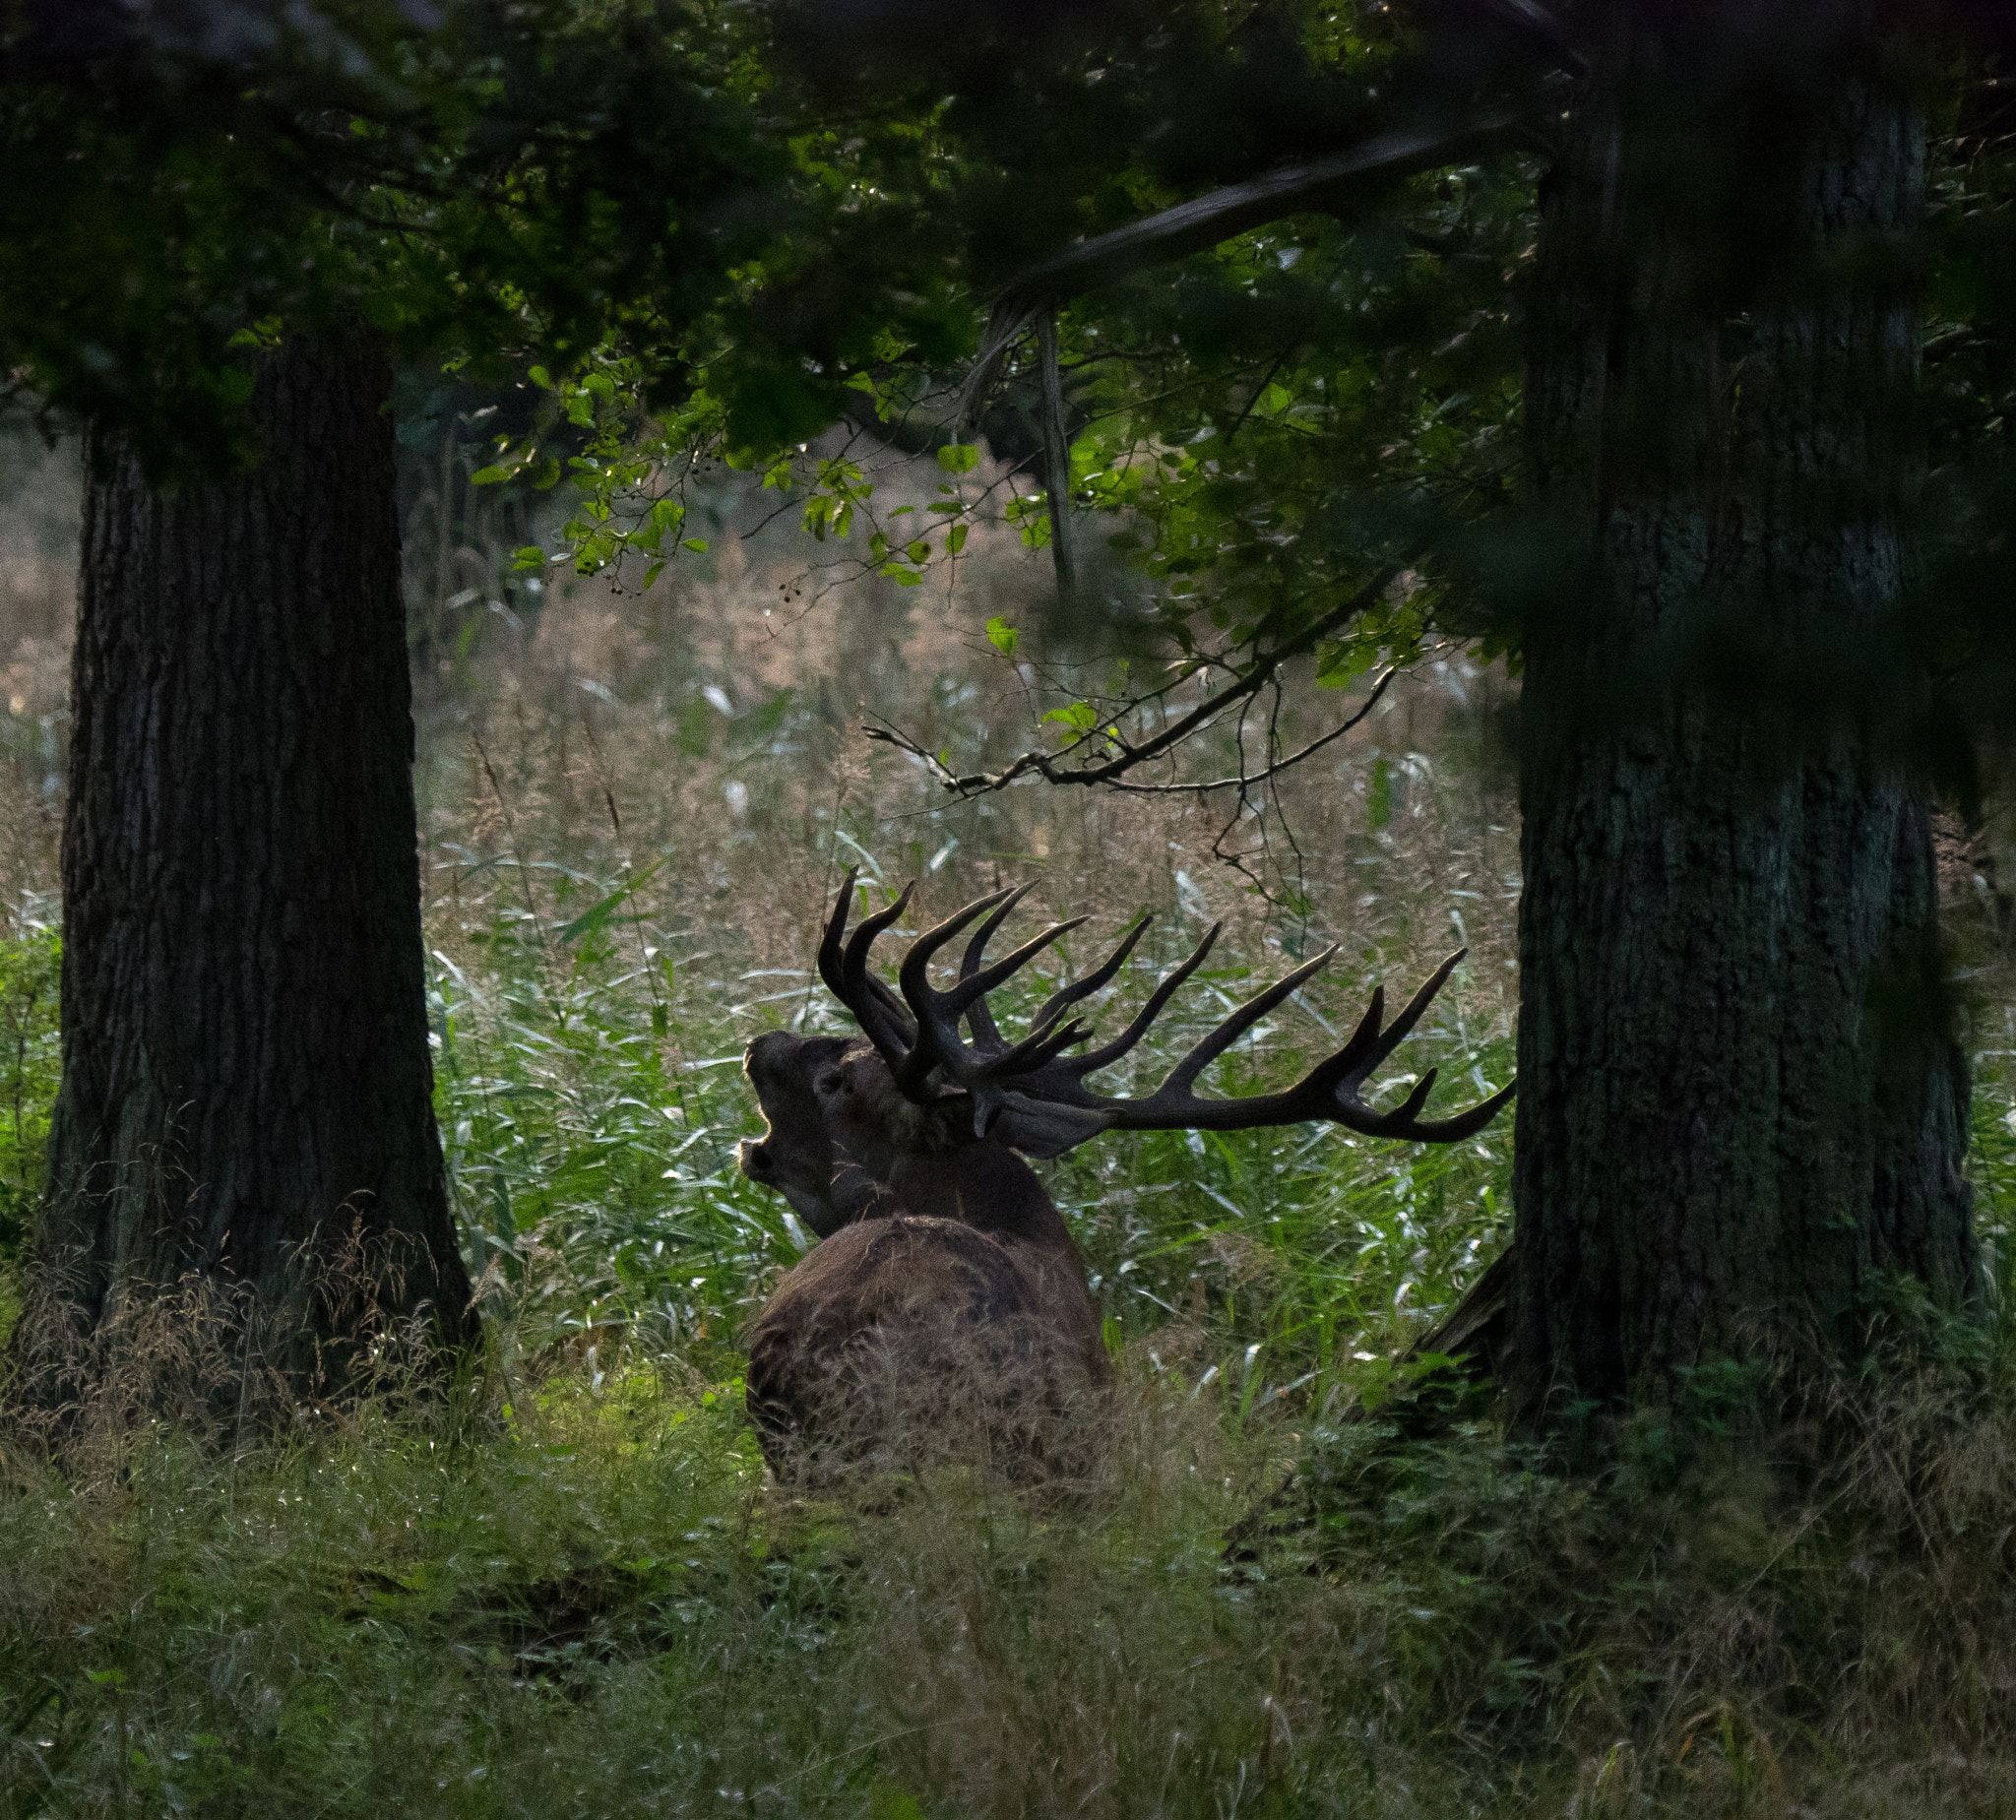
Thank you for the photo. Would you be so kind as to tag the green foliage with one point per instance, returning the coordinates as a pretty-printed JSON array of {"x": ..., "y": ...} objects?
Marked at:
[
  {"x": 486, "y": 184},
  {"x": 31, "y": 1067},
  {"x": 1306, "y": 403},
  {"x": 1992, "y": 1158}
]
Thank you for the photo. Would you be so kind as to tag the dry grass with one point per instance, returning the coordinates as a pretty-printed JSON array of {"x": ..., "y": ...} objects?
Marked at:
[{"x": 563, "y": 1586}]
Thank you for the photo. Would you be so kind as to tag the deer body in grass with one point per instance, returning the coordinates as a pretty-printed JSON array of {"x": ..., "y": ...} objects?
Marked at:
[{"x": 946, "y": 1301}]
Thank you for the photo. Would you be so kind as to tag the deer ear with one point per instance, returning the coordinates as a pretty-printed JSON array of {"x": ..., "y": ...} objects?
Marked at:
[{"x": 1037, "y": 1128}]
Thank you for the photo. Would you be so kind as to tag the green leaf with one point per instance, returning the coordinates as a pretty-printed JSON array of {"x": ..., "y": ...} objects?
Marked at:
[
  {"x": 955, "y": 539},
  {"x": 1004, "y": 636},
  {"x": 1341, "y": 664},
  {"x": 489, "y": 477},
  {"x": 694, "y": 543},
  {"x": 541, "y": 377},
  {"x": 1379, "y": 794},
  {"x": 959, "y": 458},
  {"x": 264, "y": 333},
  {"x": 1080, "y": 717},
  {"x": 530, "y": 557},
  {"x": 596, "y": 915},
  {"x": 921, "y": 550}
]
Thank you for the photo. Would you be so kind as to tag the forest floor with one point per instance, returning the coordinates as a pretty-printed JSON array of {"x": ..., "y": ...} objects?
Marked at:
[{"x": 1300, "y": 1583}]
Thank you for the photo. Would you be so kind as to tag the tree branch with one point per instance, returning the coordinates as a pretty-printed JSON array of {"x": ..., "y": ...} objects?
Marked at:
[
  {"x": 1247, "y": 779},
  {"x": 1047, "y": 765},
  {"x": 1321, "y": 184}
]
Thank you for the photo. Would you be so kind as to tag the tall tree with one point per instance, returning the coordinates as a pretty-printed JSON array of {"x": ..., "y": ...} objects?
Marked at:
[
  {"x": 247, "y": 1089},
  {"x": 206, "y": 203},
  {"x": 1741, "y": 1092}
]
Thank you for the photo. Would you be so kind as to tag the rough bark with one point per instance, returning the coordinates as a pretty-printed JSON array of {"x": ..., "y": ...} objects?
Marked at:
[
  {"x": 1741, "y": 1100},
  {"x": 246, "y": 1102}
]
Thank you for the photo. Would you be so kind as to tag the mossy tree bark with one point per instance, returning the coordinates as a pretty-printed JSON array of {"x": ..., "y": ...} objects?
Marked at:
[
  {"x": 246, "y": 1099},
  {"x": 1741, "y": 1099}
]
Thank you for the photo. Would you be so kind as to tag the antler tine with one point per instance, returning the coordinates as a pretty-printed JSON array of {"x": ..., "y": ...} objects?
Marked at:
[
  {"x": 1329, "y": 1090},
  {"x": 974, "y": 949},
  {"x": 1053, "y": 1006},
  {"x": 877, "y": 1010},
  {"x": 936, "y": 1045},
  {"x": 938, "y": 1013},
  {"x": 977, "y": 1015},
  {"x": 855, "y": 965},
  {"x": 1463, "y": 1125},
  {"x": 1396, "y": 1033},
  {"x": 1170, "y": 985},
  {"x": 979, "y": 984},
  {"x": 1038, "y": 1049},
  {"x": 833, "y": 967},
  {"x": 830, "y": 968},
  {"x": 1321, "y": 1092},
  {"x": 914, "y": 973},
  {"x": 1403, "y": 1120},
  {"x": 1241, "y": 1022}
]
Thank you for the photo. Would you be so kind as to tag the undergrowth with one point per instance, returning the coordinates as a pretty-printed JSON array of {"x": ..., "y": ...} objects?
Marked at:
[{"x": 562, "y": 1587}]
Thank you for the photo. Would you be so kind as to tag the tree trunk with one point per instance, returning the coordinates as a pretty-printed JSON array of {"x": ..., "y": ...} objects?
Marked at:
[
  {"x": 1741, "y": 1100},
  {"x": 246, "y": 1106}
]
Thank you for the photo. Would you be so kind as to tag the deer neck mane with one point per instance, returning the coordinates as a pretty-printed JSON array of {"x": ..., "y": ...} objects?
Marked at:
[{"x": 982, "y": 1185}]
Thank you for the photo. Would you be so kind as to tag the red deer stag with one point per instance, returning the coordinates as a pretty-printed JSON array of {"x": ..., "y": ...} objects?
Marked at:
[{"x": 946, "y": 1302}]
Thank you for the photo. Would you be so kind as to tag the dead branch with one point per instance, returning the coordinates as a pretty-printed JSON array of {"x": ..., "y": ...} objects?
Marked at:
[{"x": 1055, "y": 768}]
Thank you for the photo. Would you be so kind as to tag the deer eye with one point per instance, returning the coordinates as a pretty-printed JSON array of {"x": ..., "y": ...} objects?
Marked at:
[{"x": 832, "y": 1083}]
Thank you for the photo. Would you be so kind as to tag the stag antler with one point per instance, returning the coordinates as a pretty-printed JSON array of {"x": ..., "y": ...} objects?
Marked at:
[{"x": 917, "y": 1036}]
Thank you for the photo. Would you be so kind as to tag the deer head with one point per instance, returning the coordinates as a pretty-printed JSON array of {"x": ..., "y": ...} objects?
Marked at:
[{"x": 851, "y": 1119}]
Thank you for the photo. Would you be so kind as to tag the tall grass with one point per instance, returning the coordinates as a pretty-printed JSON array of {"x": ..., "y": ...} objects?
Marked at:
[{"x": 562, "y": 1587}]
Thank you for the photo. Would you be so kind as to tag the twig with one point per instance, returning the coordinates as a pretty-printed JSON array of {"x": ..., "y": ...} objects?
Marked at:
[
  {"x": 1247, "y": 781},
  {"x": 1045, "y": 765}
]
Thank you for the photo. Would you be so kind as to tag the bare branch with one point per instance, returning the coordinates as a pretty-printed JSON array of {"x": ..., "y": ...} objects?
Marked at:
[
  {"x": 1247, "y": 780},
  {"x": 1250, "y": 682}
]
